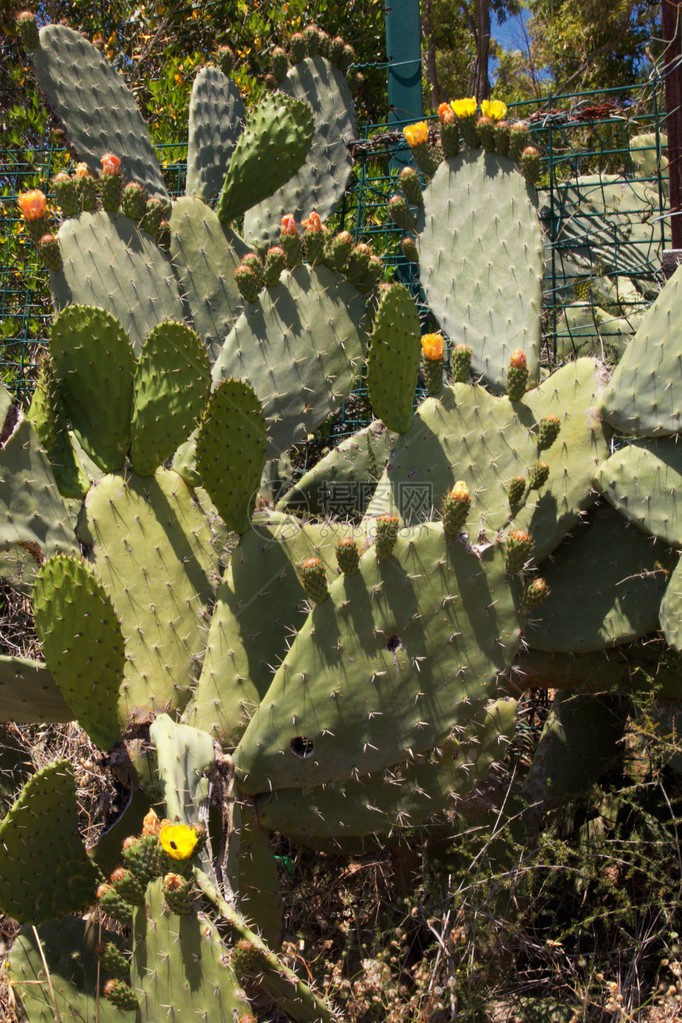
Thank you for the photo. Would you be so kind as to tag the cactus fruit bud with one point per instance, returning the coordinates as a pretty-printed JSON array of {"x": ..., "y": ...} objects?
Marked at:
[
  {"x": 248, "y": 282},
  {"x": 386, "y": 535},
  {"x": 113, "y": 904},
  {"x": 27, "y": 27},
  {"x": 417, "y": 138},
  {"x": 297, "y": 47},
  {"x": 399, "y": 213},
  {"x": 460, "y": 363},
  {"x": 313, "y": 238},
  {"x": 48, "y": 248},
  {"x": 290, "y": 240},
  {"x": 501, "y": 132},
  {"x": 311, "y": 34},
  {"x": 120, "y": 994},
  {"x": 486, "y": 132},
  {"x": 409, "y": 182},
  {"x": 275, "y": 262},
  {"x": 337, "y": 250},
  {"x": 151, "y": 823},
  {"x": 178, "y": 893},
  {"x": 87, "y": 188},
  {"x": 112, "y": 959},
  {"x": 279, "y": 63},
  {"x": 548, "y": 431},
  {"x": 33, "y": 206},
  {"x": 519, "y": 138},
  {"x": 449, "y": 130},
  {"x": 517, "y": 375},
  {"x": 535, "y": 592},
  {"x": 538, "y": 474},
  {"x": 336, "y": 48},
  {"x": 153, "y": 217},
  {"x": 518, "y": 549},
  {"x": 245, "y": 959},
  {"x": 347, "y": 555},
  {"x": 433, "y": 346},
  {"x": 314, "y": 579},
  {"x": 456, "y": 507},
  {"x": 347, "y": 58},
  {"x": 410, "y": 250},
  {"x": 375, "y": 274},
  {"x": 128, "y": 886},
  {"x": 225, "y": 58},
  {"x": 65, "y": 188},
  {"x": 143, "y": 858},
  {"x": 516, "y": 489},
  {"x": 530, "y": 164},
  {"x": 358, "y": 264},
  {"x": 465, "y": 111},
  {"x": 133, "y": 201},
  {"x": 111, "y": 182}
]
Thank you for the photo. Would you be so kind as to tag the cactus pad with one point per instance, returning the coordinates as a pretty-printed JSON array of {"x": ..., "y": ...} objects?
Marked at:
[
  {"x": 184, "y": 755},
  {"x": 643, "y": 482},
  {"x": 393, "y": 360},
  {"x": 28, "y": 692},
  {"x": 216, "y": 120}
]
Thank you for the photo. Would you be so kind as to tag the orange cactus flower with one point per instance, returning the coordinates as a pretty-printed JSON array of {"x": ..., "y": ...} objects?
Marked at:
[
  {"x": 313, "y": 222},
  {"x": 518, "y": 359},
  {"x": 33, "y": 205},
  {"x": 82, "y": 170},
  {"x": 460, "y": 491},
  {"x": 288, "y": 225},
  {"x": 416, "y": 134},
  {"x": 446, "y": 114},
  {"x": 110, "y": 164},
  {"x": 432, "y": 347}
]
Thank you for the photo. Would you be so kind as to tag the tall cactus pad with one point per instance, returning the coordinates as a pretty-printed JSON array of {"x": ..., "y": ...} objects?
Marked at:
[
  {"x": 216, "y": 120},
  {"x": 184, "y": 755},
  {"x": 271, "y": 148},
  {"x": 480, "y": 255},
  {"x": 231, "y": 451},
  {"x": 643, "y": 482},
  {"x": 28, "y": 692},
  {"x": 643, "y": 395},
  {"x": 172, "y": 383},
  {"x": 205, "y": 261},
  {"x": 399, "y": 655},
  {"x": 110, "y": 264},
  {"x": 671, "y": 610},
  {"x": 97, "y": 108},
  {"x": 94, "y": 363},
  {"x": 300, "y": 346},
  {"x": 393, "y": 361},
  {"x": 48, "y": 417},
  {"x": 404, "y": 797},
  {"x": 253, "y": 873},
  {"x": 178, "y": 967},
  {"x": 322, "y": 180},
  {"x": 46, "y": 872},
  {"x": 152, "y": 548},
  {"x": 606, "y": 584},
  {"x": 82, "y": 643}
]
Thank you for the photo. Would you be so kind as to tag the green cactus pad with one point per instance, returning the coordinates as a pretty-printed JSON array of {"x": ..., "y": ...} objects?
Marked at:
[
  {"x": 322, "y": 180},
  {"x": 231, "y": 451},
  {"x": 671, "y": 610},
  {"x": 98, "y": 110},
  {"x": 82, "y": 644},
  {"x": 300, "y": 346},
  {"x": 343, "y": 481},
  {"x": 643, "y": 394},
  {"x": 45, "y": 870},
  {"x": 216, "y": 120},
  {"x": 68, "y": 947},
  {"x": 404, "y": 797},
  {"x": 171, "y": 386},
  {"x": 481, "y": 261},
  {"x": 32, "y": 514},
  {"x": 94, "y": 364},
  {"x": 48, "y": 418},
  {"x": 178, "y": 965},
  {"x": 643, "y": 481},
  {"x": 109, "y": 263},
  {"x": 28, "y": 692},
  {"x": 606, "y": 583},
  {"x": 271, "y": 148},
  {"x": 253, "y": 875},
  {"x": 151, "y": 544},
  {"x": 388, "y": 665},
  {"x": 393, "y": 360},
  {"x": 184, "y": 756},
  {"x": 205, "y": 260}
]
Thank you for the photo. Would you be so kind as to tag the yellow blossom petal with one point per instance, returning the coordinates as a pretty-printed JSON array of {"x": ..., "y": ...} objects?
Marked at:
[
  {"x": 416, "y": 134},
  {"x": 178, "y": 840},
  {"x": 464, "y": 107},
  {"x": 432, "y": 347},
  {"x": 495, "y": 109}
]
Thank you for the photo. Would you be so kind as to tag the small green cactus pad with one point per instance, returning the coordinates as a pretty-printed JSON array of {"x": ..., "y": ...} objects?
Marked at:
[
  {"x": 28, "y": 692},
  {"x": 343, "y": 481},
  {"x": 389, "y": 664},
  {"x": 184, "y": 755},
  {"x": 216, "y": 120},
  {"x": 32, "y": 514},
  {"x": 151, "y": 544},
  {"x": 301, "y": 346},
  {"x": 404, "y": 797},
  {"x": 68, "y": 947},
  {"x": 46, "y": 872},
  {"x": 271, "y": 148},
  {"x": 96, "y": 107},
  {"x": 94, "y": 363},
  {"x": 627, "y": 669},
  {"x": 231, "y": 451},
  {"x": 6, "y": 402},
  {"x": 481, "y": 261},
  {"x": 322, "y": 180},
  {"x": 253, "y": 874},
  {"x": 643, "y": 394},
  {"x": 606, "y": 583},
  {"x": 393, "y": 360},
  {"x": 579, "y": 742},
  {"x": 572, "y": 393},
  {"x": 171, "y": 386},
  {"x": 259, "y": 605},
  {"x": 178, "y": 970},
  {"x": 643, "y": 482},
  {"x": 205, "y": 260},
  {"x": 671, "y": 610},
  {"x": 48, "y": 418},
  {"x": 82, "y": 644},
  {"x": 109, "y": 263}
]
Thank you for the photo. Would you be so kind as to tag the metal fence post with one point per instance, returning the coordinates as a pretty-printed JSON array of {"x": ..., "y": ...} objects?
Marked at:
[{"x": 403, "y": 49}]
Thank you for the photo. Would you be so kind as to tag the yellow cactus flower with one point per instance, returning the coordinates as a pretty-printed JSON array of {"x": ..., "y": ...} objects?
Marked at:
[
  {"x": 178, "y": 840},
  {"x": 464, "y": 107},
  {"x": 432, "y": 347},
  {"x": 460, "y": 491},
  {"x": 495, "y": 109},
  {"x": 33, "y": 205},
  {"x": 82, "y": 170},
  {"x": 416, "y": 134}
]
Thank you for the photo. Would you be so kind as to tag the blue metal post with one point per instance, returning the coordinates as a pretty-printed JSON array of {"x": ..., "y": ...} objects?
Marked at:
[{"x": 403, "y": 47}]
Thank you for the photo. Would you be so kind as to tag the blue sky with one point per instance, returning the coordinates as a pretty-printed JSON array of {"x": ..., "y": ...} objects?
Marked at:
[{"x": 510, "y": 34}]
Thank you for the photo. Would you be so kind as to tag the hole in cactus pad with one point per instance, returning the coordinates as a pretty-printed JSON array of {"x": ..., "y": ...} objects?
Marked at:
[
  {"x": 394, "y": 643},
  {"x": 302, "y": 747}
]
